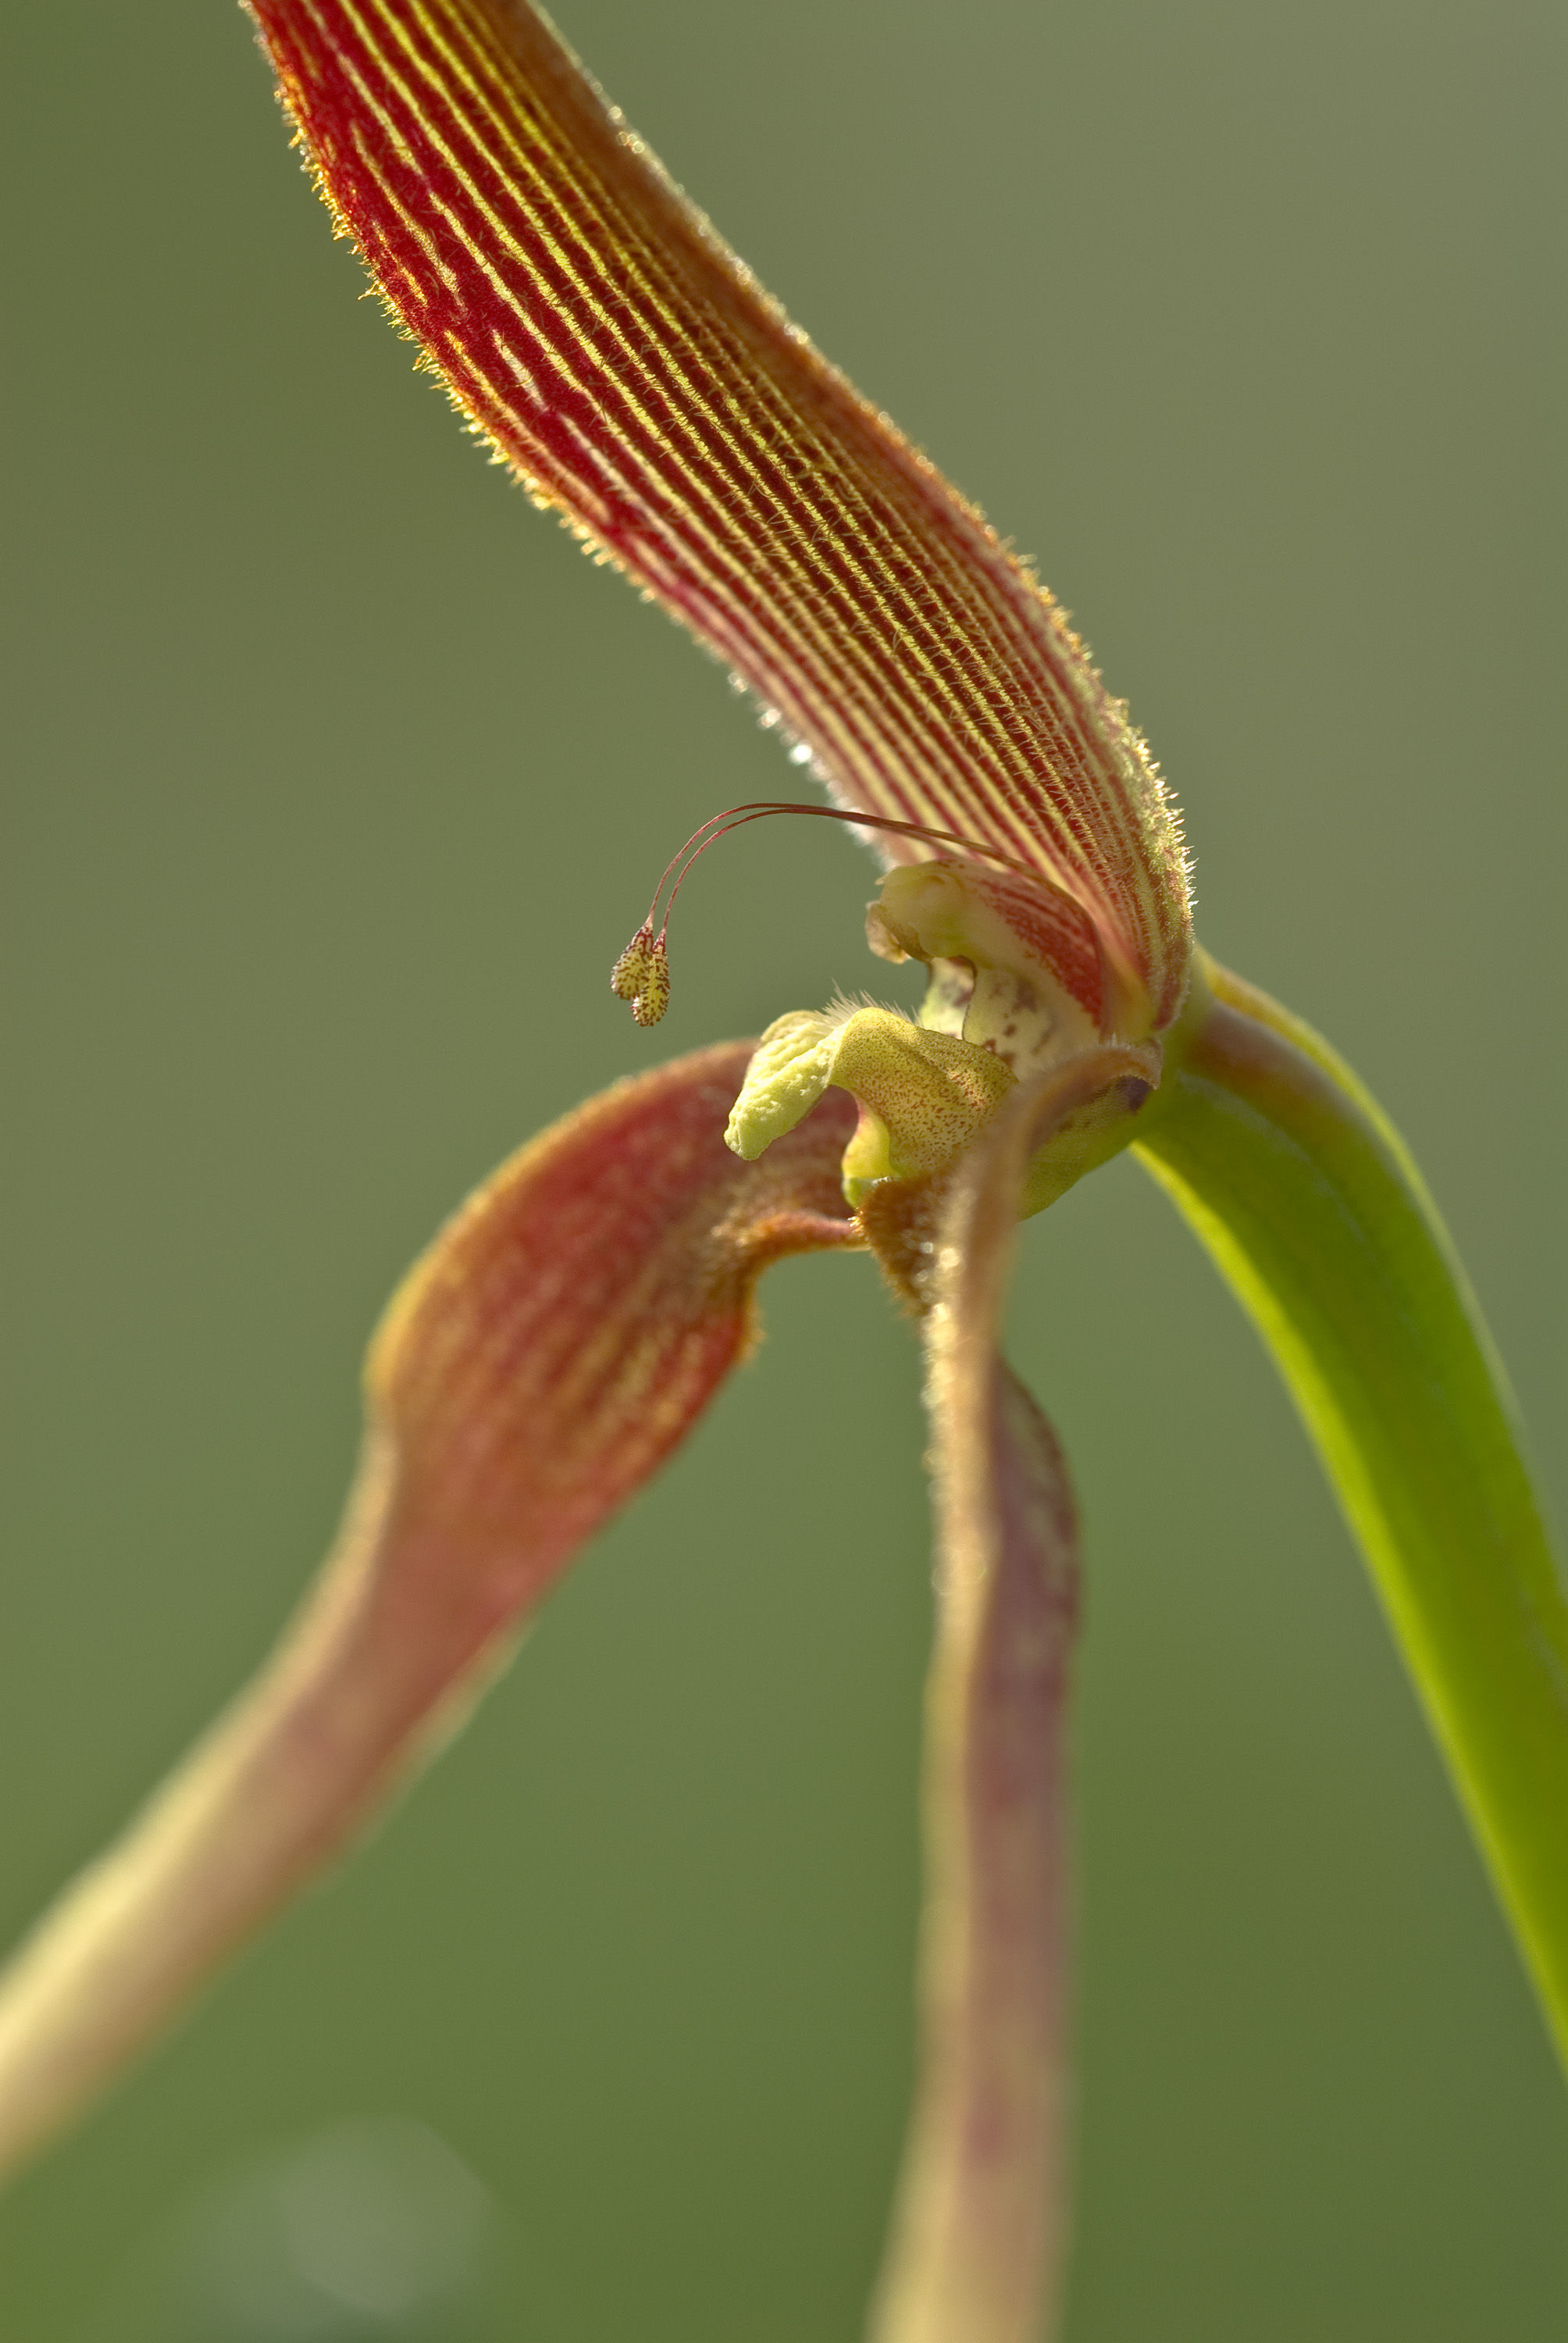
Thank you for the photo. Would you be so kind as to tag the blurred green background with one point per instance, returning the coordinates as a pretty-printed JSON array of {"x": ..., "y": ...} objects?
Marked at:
[{"x": 337, "y": 779}]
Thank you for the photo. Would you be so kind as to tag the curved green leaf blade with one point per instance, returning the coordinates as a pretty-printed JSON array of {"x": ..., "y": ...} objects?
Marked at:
[{"x": 1309, "y": 1203}]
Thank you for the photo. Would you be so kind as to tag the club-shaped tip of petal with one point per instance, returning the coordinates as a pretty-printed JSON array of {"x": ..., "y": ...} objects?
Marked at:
[
  {"x": 626, "y": 977},
  {"x": 641, "y": 976},
  {"x": 652, "y": 997}
]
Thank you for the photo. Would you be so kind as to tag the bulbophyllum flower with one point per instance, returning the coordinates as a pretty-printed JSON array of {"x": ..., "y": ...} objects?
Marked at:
[{"x": 567, "y": 1327}]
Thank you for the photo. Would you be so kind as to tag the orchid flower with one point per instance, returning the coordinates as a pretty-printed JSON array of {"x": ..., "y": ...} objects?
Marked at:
[{"x": 566, "y": 1329}]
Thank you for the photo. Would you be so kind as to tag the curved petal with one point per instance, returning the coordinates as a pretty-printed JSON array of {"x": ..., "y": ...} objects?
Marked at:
[
  {"x": 561, "y": 1335},
  {"x": 593, "y": 328}
]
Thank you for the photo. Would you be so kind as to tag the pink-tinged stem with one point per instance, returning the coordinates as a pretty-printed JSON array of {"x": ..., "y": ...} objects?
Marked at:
[
  {"x": 977, "y": 2236},
  {"x": 977, "y": 2244},
  {"x": 561, "y": 1335},
  {"x": 599, "y": 332}
]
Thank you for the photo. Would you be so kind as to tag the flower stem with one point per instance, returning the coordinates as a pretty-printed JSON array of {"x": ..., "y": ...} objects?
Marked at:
[
  {"x": 978, "y": 2241},
  {"x": 1308, "y": 1202}
]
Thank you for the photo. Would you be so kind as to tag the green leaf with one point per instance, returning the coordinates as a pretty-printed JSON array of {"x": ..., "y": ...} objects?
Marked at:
[{"x": 1309, "y": 1203}]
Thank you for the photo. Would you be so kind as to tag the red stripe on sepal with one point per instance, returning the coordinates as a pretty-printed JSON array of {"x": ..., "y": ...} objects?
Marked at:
[{"x": 628, "y": 367}]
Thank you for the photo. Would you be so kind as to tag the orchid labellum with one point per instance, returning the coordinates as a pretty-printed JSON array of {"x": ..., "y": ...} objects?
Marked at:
[{"x": 568, "y": 1326}]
